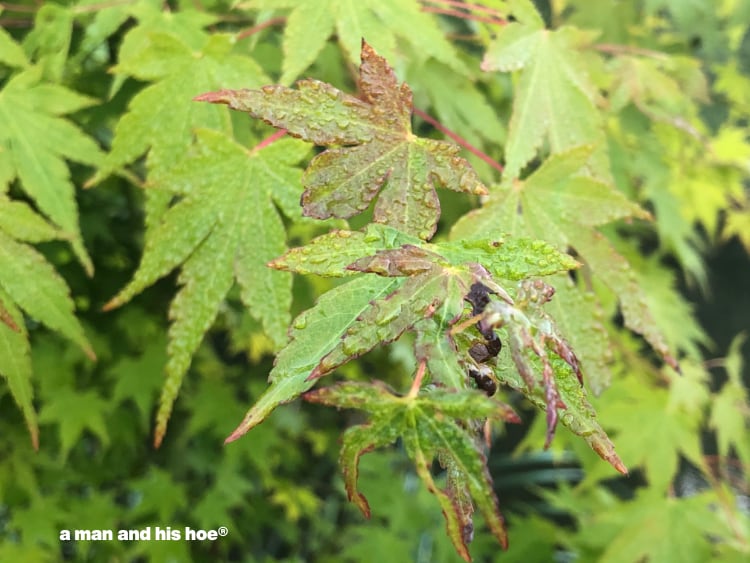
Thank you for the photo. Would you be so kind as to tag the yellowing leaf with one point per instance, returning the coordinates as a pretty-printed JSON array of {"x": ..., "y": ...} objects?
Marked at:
[
  {"x": 554, "y": 101},
  {"x": 384, "y": 154}
]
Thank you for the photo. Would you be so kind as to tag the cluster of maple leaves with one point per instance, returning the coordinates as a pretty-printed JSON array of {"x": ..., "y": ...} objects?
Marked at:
[
  {"x": 421, "y": 287},
  {"x": 205, "y": 224}
]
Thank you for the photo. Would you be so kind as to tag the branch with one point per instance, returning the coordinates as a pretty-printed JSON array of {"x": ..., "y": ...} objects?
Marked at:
[
  {"x": 260, "y": 27},
  {"x": 468, "y": 7},
  {"x": 11, "y": 7},
  {"x": 462, "y": 15},
  {"x": 613, "y": 49}
]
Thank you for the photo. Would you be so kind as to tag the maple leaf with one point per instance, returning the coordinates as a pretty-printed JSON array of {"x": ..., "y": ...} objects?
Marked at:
[
  {"x": 436, "y": 274},
  {"x": 555, "y": 205},
  {"x": 74, "y": 412},
  {"x": 158, "y": 493},
  {"x": 554, "y": 100},
  {"x": 34, "y": 143},
  {"x": 660, "y": 448},
  {"x": 370, "y": 311},
  {"x": 310, "y": 24},
  {"x": 429, "y": 426},
  {"x": 224, "y": 227},
  {"x": 161, "y": 117},
  {"x": 314, "y": 334},
  {"x": 379, "y": 151},
  {"x": 654, "y": 529},
  {"x": 730, "y": 412},
  {"x": 15, "y": 362},
  {"x": 138, "y": 379},
  {"x": 11, "y": 53},
  {"x": 47, "y": 300}
]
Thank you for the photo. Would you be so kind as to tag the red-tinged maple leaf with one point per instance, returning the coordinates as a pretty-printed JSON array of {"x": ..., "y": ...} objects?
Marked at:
[{"x": 374, "y": 147}]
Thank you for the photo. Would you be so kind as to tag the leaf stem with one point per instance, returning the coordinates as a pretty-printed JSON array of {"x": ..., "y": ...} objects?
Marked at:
[
  {"x": 11, "y": 7},
  {"x": 417, "y": 383},
  {"x": 260, "y": 27},
  {"x": 100, "y": 6},
  {"x": 459, "y": 140},
  {"x": 270, "y": 139}
]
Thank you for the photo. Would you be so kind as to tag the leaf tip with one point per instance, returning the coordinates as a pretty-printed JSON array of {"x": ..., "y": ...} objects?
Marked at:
[
  {"x": 317, "y": 373},
  {"x": 8, "y": 321},
  {"x": 232, "y": 437},
  {"x": 218, "y": 97},
  {"x": 361, "y": 502},
  {"x": 158, "y": 437},
  {"x": 90, "y": 354}
]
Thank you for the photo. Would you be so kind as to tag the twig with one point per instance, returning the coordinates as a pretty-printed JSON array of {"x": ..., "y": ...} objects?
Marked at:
[
  {"x": 100, "y": 6},
  {"x": 260, "y": 27},
  {"x": 462, "y": 15},
  {"x": 714, "y": 363},
  {"x": 15, "y": 22},
  {"x": 613, "y": 49},
  {"x": 18, "y": 7},
  {"x": 459, "y": 140},
  {"x": 467, "y": 6}
]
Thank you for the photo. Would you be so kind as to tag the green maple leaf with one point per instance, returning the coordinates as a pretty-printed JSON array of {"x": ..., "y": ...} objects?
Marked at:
[
  {"x": 314, "y": 334},
  {"x": 581, "y": 320},
  {"x": 382, "y": 22},
  {"x": 334, "y": 254},
  {"x": 330, "y": 254},
  {"x": 730, "y": 412},
  {"x": 387, "y": 319},
  {"x": 46, "y": 300},
  {"x": 161, "y": 117},
  {"x": 49, "y": 40},
  {"x": 15, "y": 362},
  {"x": 34, "y": 144},
  {"x": 224, "y": 227},
  {"x": 438, "y": 278},
  {"x": 75, "y": 412},
  {"x": 159, "y": 494},
  {"x": 659, "y": 448},
  {"x": 380, "y": 152},
  {"x": 556, "y": 205},
  {"x": 139, "y": 379},
  {"x": 554, "y": 100},
  {"x": 11, "y": 52},
  {"x": 429, "y": 426},
  {"x": 370, "y": 310},
  {"x": 654, "y": 528}
]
